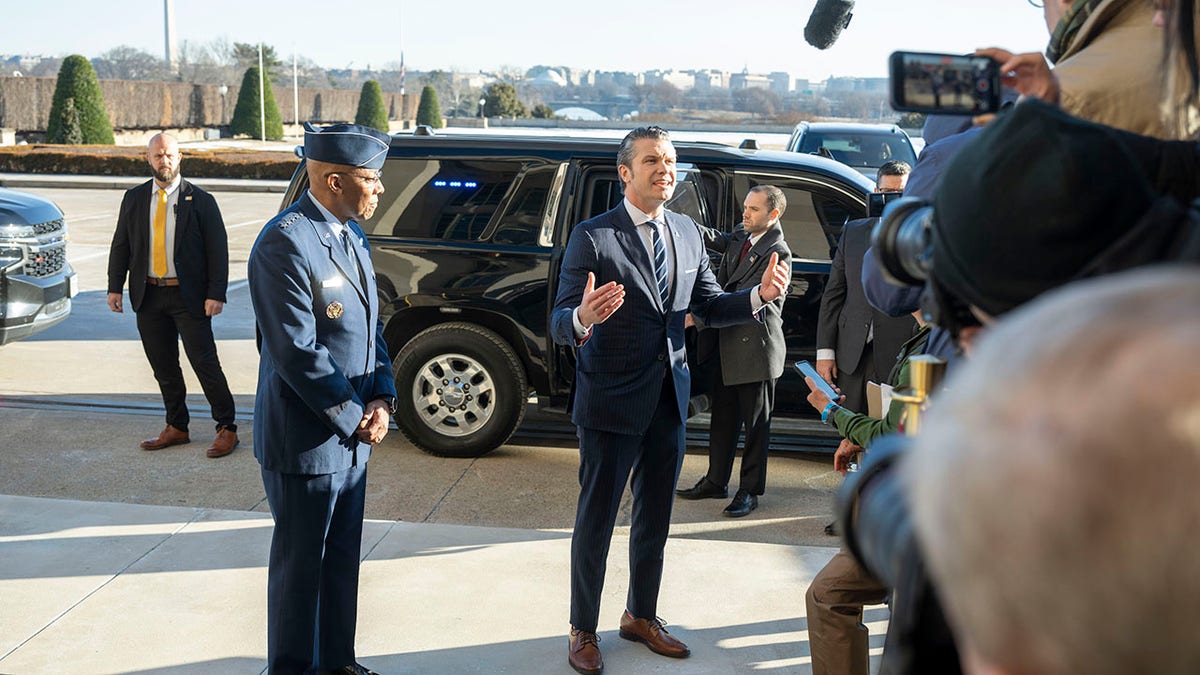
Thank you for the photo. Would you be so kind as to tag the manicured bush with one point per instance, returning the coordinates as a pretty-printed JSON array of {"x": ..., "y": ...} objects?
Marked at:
[
  {"x": 246, "y": 112},
  {"x": 428, "y": 110},
  {"x": 371, "y": 111},
  {"x": 77, "y": 80},
  {"x": 71, "y": 133},
  {"x": 543, "y": 111}
]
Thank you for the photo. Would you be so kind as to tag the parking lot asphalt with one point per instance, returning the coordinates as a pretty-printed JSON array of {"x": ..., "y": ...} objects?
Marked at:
[{"x": 120, "y": 560}]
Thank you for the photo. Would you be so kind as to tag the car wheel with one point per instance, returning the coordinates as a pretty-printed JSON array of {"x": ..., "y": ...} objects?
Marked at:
[{"x": 460, "y": 389}]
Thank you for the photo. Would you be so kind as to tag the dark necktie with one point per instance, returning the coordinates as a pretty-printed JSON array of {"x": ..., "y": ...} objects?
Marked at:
[
  {"x": 745, "y": 250},
  {"x": 660, "y": 262},
  {"x": 348, "y": 246}
]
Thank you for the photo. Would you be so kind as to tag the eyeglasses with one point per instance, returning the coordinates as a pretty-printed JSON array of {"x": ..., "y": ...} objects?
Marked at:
[
  {"x": 369, "y": 181},
  {"x": 1037, "y": 3}
]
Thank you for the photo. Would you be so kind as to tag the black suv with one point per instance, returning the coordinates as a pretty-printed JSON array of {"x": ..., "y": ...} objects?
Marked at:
[
  {"x": 36, "y": 281},
  {"x": 468, "y": 238}
]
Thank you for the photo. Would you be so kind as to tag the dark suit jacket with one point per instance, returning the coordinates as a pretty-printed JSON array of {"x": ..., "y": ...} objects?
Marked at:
[
  {"x": 621, "y": 367},
  {"x": 845, "y": 314},
  {"x": 750, "y": 352},
  {"x": 323, "y": 357},
  {"x": 201, "y": 249}
]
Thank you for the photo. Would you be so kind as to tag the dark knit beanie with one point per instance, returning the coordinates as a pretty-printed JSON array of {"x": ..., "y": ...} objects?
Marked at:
[{"x": 1029, "y": 203}]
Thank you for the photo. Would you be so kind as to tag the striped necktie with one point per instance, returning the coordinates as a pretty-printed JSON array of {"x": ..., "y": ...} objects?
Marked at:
[
  {"x": 660, "y": 262},
  {"x": 158, "y": 245}
]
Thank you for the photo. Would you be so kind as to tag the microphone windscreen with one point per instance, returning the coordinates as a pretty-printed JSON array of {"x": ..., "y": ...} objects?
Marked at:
[{"x": 826, "y": 22}]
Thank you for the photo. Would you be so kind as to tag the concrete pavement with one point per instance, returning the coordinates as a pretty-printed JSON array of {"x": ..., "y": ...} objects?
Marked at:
[{"x": 93, "y": 587}]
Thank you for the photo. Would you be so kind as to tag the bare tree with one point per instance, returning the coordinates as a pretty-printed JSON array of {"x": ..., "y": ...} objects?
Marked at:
[{"x": 129, "y": 63}]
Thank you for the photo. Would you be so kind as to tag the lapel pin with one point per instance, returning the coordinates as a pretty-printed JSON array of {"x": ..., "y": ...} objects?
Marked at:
[
  {"x": 187, "y": 198},
  {"x": 334, "y": 310}
]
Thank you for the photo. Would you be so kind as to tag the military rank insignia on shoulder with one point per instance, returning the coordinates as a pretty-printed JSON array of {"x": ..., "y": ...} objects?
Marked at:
[{"x": 289, "y": 219}]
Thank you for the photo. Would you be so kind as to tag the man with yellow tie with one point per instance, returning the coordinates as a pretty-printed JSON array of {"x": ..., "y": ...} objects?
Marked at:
[{"x": 170, "y": 241}]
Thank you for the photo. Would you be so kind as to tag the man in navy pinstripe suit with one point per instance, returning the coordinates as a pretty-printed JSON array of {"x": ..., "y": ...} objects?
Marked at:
[{"x": 632, "y": 381}]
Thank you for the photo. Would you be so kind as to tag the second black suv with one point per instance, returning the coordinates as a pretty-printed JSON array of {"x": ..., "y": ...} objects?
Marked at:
[{"x": 466, "y": 244}]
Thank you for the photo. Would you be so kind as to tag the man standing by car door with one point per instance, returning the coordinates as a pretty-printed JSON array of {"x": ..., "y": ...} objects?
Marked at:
[
  {"x": 170, "y": 241},
  {"x": 632, "y": 382},
  {"x": 751, "y": 356},
  {"x": 324, "y": 395}
]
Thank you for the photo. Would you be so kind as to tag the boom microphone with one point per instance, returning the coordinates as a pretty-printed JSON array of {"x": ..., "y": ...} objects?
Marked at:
[{"x": 826, "y": 22}]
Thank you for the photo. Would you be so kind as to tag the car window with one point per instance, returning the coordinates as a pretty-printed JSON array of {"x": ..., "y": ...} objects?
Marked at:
[
  {"x": 520, "y": 223},
  {"x": 603, "y": 191},
  {"x": 815, "y": 214},
  {"x": 860, "y": 150},
  {"x": 448, "y": 199}
]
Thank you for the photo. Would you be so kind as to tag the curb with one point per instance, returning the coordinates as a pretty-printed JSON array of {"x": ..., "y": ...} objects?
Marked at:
[{"x": 18, "y": 180}]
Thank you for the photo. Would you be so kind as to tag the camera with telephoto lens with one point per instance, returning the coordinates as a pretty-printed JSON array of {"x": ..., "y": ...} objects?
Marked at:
[{"x": 903, "y": 245}]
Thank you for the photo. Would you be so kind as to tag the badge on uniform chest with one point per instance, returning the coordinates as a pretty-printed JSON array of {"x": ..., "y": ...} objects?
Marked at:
[{"x": 334, "y": 310}]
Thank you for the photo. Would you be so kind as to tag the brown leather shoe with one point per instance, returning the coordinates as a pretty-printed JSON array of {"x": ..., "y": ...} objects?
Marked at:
[
  {"x": 652, "y": 633},
  {"x": 166, "y": 438},
  {"x": 223, "y": 444},
  {"x": 583, "y": 652}
]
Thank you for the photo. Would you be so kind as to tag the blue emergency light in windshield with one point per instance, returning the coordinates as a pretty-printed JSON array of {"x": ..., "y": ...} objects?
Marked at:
[{"x": 455, "y": 183}]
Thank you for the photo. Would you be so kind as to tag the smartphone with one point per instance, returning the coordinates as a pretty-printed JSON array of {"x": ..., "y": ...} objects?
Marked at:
[
  {"x": 947, "y": 84},
  {"x": 807, "y": 370}
]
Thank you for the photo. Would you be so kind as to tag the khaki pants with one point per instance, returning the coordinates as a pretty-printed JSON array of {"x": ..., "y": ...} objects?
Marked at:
[{"x": 837, "y": 638}]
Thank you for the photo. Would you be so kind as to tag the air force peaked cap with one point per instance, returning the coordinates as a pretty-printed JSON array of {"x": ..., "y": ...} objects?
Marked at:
[{"x": 349, "y": 144}]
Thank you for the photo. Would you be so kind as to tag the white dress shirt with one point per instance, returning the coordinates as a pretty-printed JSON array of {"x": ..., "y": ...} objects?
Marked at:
[{"x": 172, "y": 206}]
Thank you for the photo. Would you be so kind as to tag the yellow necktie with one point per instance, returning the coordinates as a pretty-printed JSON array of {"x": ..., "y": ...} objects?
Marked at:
[{"x": 159, "y": 254}]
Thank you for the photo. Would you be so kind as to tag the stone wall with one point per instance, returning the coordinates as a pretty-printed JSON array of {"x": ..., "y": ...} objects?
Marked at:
[{"x": 25, "y": 104}]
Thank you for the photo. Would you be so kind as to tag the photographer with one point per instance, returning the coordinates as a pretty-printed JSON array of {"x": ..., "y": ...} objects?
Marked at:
[
  {"x": 1039, "y": 199},
  {"x": 1072, "y": 457}
]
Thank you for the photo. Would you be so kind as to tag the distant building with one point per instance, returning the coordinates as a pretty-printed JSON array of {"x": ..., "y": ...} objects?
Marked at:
[
  {"x": 621, "y": 79},
  {"x": 781, "y": 83},
  {"x": 710, "y": 79},
  {"x": 803, "y": 87},
  {"x": 747, "y": 80},
  {"x": 679, "y": 79}
]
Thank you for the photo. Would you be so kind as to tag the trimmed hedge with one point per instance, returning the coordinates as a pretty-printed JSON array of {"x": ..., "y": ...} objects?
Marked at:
[
  {"x": 246, "y": 113},
  {"x": 107, "y": 160},
  {"x": 77, "y": 82},
  {"x": 428, "y": 110},
  {"x": 371, "y": 111}
]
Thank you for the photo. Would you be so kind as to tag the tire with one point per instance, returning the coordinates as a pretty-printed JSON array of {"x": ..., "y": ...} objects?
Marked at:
[{"x": 460, "y": 390}]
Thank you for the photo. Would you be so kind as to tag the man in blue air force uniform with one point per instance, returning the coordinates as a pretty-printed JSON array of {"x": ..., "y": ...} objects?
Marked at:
[
  {"x": 632, "y": 382},
  {"x": 325, "y": 392}
]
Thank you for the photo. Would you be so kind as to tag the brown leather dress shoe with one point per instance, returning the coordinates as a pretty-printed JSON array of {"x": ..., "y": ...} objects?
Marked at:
[
  {"x": 652, "y": 633},
  {"x": 223, "y": 444},
  {"x": 166, "y": 438},
  {"x": 583, "y": 652}
]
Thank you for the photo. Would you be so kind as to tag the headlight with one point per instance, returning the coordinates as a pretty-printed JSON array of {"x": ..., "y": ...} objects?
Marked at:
[{"x": 17, "y": 232}]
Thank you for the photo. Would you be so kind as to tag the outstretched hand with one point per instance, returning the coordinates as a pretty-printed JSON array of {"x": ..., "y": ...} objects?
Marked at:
[
  {"x": 1028, "y": 74},
  {"x": 599, "y": 303},
  {"x": 774, "y": 279}
]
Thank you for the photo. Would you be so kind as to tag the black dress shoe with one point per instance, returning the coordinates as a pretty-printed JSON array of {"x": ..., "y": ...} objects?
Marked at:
[
  {"x": 703, "y": 489},
  {"x": 743, "y": 503},
  {"x": 352, "y": 669}
]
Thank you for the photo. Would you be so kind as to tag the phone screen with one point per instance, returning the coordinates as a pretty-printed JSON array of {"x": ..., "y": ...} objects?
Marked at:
[
  {"x": 807, "y": 370},
  {"x": 948, "y": 84}
]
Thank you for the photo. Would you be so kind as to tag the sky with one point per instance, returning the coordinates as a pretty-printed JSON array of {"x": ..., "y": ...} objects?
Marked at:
[{"x": 473, "y": 35}]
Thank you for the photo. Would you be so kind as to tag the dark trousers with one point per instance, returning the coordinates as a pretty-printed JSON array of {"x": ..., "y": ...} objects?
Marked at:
[
  {"x": 854, "y": 384},
  {"x": 606, "y": 461},
  {"x": 733, "y": 407},
  {"x": 162, "y": 321},
  {"x": 837, "y": 638},
  {"x": 312, "y": 578}
]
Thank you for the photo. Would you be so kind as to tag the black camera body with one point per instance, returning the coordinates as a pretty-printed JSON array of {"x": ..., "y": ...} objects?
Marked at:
[{"x": 877, "y": 201}]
